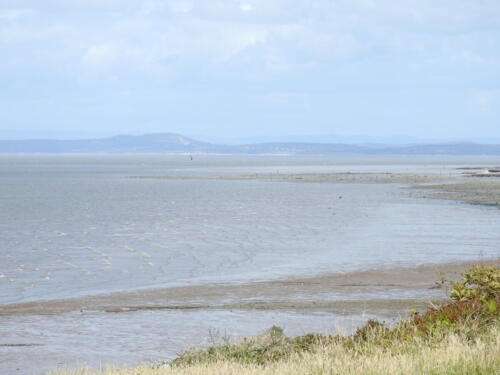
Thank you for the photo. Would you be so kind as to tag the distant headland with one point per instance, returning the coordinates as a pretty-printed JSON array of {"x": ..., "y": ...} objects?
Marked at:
[{"x": 176, "y": 143}]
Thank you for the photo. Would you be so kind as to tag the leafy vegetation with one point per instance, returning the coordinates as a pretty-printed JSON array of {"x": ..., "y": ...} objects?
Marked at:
[{"x": 481, "y": 283}]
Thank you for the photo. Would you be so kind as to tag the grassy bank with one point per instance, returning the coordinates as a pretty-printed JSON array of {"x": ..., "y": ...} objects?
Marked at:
[{"x": 461, "y": 337}]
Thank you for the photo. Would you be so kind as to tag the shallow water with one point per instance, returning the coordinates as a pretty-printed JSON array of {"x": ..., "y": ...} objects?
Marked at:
[
  {"x": 141, "y": 337},
  {"x": 76, "y": 226}
]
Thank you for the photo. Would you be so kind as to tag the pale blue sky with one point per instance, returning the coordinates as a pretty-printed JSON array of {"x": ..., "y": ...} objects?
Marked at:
[{"x": 226, "y": 69}]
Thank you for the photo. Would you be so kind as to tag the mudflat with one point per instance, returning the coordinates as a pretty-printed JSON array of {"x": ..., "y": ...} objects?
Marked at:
[
  {"x": 301, "y": 294},
  {"x": 335, "y": 177},
  {"x": 466, "y": 184},
  {"x": 473, "y": 190}
]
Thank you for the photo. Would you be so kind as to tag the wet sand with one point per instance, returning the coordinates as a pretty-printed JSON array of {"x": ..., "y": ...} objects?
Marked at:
[
  {"x": 466, "y": 184},
  {"x": 336, "y": 177},
  {"x": 128, "y": 329},
  {"x": 386, "y": 292},
  {"x": 473, "y": 190}
]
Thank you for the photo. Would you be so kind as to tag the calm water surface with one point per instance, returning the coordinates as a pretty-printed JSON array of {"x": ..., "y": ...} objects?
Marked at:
[
  {"x": 78, "y": 225},
  {"x": 72, "y": 226}
]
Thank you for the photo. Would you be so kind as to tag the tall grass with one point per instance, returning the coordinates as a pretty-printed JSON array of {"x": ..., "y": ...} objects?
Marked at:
[{"x": 453, "y": 355}]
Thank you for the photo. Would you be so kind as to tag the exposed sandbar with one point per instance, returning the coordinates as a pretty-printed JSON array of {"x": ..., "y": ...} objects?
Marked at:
[
  {"x": 336, "y": 177},
  {"x": 301, "y": 294},
  {"x": 472, "y": 190},
  {"x": 469, "y": 187}
]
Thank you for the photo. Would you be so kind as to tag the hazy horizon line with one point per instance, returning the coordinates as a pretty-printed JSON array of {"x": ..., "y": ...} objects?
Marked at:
[{"x": 397, "y": 139}]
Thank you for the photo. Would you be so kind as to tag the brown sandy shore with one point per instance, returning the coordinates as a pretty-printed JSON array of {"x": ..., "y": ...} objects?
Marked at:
[
  {"x": 301, "y": 294},
  {"x": 337, "y": 177},
  {"x": 473, "y": 190}
]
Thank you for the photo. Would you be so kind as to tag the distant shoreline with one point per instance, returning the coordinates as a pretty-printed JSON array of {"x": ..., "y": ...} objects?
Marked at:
[{"x": 177, "y": 143}]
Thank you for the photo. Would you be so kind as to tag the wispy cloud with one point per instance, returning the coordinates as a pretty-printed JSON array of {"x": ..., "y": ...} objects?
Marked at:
[
  {"x": 262, "y": 46},
  {"x": 13, "y": 14}
]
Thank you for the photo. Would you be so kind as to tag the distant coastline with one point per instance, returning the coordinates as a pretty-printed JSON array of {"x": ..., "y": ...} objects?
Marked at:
[{"x": 170, "y": 143}]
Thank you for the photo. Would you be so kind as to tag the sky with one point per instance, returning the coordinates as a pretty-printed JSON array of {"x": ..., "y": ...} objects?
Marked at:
[{"x": 230, "y": 69}]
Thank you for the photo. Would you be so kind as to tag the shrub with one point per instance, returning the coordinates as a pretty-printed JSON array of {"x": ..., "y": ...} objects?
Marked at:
[{"x": 480, "y": 283}]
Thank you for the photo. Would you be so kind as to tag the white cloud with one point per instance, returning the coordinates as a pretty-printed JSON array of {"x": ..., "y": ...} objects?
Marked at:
[
  {"x": 483, "y": 101},
  {"x": 13, "y": 14},
  {"x": 245, "y": 7},
  {"x": 181, "y": 6},
  {"x": 418, "y": 56},
  {"x": 267, "y": 35},
  {"x": 100, "y": 55}
]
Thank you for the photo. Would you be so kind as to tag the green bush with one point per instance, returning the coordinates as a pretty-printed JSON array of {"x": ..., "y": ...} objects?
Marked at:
[{"x": 482, "y": 283}]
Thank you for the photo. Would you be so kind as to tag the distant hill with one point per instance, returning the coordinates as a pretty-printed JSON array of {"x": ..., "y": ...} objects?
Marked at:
[
  {"x": 175, "y": 143},
  {"x": 149, "y": 143}
]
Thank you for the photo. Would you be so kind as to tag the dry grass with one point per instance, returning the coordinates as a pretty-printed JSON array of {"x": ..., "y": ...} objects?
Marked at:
[{"x": 453, "y": 355}]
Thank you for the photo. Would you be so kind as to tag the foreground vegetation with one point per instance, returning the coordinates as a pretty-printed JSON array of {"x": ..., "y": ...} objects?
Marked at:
[{"x": 461, "y": 337}]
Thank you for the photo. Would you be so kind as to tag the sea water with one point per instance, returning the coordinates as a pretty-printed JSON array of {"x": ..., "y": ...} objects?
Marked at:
[{"x": 81, "y": 225}]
